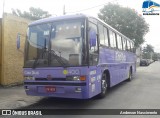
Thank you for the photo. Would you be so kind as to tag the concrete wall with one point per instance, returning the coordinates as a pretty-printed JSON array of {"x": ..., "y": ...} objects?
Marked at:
[{"x": 12, "y": 58}]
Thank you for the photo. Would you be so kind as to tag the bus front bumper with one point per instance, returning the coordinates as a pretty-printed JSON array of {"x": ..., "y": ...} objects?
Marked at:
[{"x": 57, "y": 89}]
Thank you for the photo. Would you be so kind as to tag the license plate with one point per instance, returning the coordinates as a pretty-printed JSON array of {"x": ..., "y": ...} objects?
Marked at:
[{"x": 50, "y": 89}]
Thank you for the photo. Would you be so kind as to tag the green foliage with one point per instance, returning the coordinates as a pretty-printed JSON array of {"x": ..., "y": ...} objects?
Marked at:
[
  {"x": 146, "y": 56},
  {"x": 148, "y": 52},
  {"x": 126, "y": 21},
  {"x": 33, "y": 14},
  {"x": 155, "y": 56},
  {"x": 148, "y": 48}
]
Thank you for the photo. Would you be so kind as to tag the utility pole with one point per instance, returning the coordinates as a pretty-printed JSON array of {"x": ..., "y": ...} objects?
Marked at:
[
  {"x": 3, "y": 8},
  {"x": 64, "y": 10}
]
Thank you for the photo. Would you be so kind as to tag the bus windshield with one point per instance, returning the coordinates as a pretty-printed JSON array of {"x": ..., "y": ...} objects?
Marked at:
[{"x": 55, "y": 44}]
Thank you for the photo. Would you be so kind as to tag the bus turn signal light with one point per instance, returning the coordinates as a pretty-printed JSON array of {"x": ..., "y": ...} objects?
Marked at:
[{"x": 82, "y": 78}]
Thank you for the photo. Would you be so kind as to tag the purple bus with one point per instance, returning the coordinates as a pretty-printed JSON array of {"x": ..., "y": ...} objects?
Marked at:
[{"x": 75, "y": 56}]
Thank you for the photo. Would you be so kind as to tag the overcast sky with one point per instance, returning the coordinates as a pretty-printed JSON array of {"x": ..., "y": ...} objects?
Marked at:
[{"x": 55, "y": 7}]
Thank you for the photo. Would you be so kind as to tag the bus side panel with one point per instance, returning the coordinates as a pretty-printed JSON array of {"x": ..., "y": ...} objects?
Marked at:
[
  {"x": 118, "y": 66},
  {"x": 107, "y": 60}
]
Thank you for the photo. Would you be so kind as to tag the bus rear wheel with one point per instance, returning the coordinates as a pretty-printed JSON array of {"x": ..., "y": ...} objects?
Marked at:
[
  {"x": 130, "y": 75},
  {"x": 104, "y": 86}
]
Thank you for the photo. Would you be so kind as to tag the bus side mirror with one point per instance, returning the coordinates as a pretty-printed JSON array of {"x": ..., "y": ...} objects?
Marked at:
[
  {"x": 92, "y": 36},
  {"x": 18, "y": 41}
]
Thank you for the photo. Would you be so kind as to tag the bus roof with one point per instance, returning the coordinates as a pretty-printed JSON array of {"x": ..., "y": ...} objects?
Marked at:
[{"x": 51, "y": 19}]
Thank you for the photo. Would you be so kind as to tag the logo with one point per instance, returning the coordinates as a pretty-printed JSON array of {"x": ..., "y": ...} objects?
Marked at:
[
  {"x": 93, "y": 72},
  {"x": 65, "y": 72},
  {"x": 120, "y": 57},
  {"x": 31, "y": 72},
  {"x": 150, "y": 8},
  {"x": 6, "y": 112},
  {"x": 21, "y": 112},
  {"x": 74, "y": 72}
]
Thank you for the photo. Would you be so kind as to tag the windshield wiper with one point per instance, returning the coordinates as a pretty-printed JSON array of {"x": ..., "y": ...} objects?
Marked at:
[{"x": 58, "y": 58}]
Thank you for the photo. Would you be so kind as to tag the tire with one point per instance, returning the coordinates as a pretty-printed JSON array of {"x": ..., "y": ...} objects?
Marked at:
[
  {"x": 130, "y": 75},
  {"x": 104, "y": 86}
]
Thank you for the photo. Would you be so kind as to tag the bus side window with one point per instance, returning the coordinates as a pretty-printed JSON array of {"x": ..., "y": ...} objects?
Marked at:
[
  {"x": 112, "y": 39},
  {"x": 106, "y": 36},
  {"x": 131, "y": 47},
  {"x": 101, "y": 34},
  {"x": 119, "y": 41},
  {"x": 155, "y": 4},
  {"x": 124, "y": 43},
  {"x": 150, "y": 3},
  {"x": 134, "y": 49},
  {"x": 128, "y": 45}
]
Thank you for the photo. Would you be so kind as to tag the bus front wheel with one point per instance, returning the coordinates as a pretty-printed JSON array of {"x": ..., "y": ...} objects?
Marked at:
[{"x": 104, "y": 86}]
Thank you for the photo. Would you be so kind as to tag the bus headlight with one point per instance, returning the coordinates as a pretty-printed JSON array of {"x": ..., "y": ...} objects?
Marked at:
[
  {"x": 75, "y": 78},
  {"x": 29, "y": 78}
]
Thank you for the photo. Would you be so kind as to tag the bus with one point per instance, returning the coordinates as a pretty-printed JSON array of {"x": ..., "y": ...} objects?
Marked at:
[
  {"x": 150, "y": 6},
  {"x": 75, "y": 56}
]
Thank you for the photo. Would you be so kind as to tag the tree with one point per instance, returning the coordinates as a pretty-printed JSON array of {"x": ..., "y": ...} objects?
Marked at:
[
  {"x": 33, "y": 14},
  {"x": 126, "y": 21},
  {"x": 148, "y": 51},
  {"x": 149, "y": 48},
  {"x": 155, "y": 56}
]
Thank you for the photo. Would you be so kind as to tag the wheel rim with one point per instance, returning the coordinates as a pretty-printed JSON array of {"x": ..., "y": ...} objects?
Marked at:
[{"x": 104, "y": 84}]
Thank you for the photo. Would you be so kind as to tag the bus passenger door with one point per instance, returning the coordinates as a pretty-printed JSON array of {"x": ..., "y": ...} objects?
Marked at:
[
  {"x": 93, "y": 44},
  {"x": 94, "y": 73}
]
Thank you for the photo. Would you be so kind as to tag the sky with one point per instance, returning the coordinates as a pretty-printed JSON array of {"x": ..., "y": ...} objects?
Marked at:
[{"x": 55, "y": 7}]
